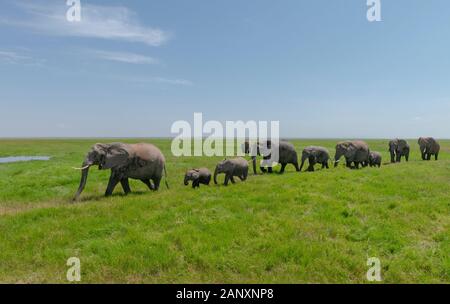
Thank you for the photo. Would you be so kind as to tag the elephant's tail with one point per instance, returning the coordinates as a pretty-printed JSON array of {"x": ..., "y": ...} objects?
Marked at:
[{"x": 165, "y": 177}]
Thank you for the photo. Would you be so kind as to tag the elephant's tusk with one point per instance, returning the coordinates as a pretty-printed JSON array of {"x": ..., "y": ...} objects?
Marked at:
[{"x": 85, "y": 167}]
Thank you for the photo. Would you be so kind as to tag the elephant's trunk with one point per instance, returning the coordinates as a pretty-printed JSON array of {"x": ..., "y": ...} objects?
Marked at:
[
  {"x": 216, "y": 171},
  {"x": 304, "y": 156},
  {"x": 186, "y": 180},
  {"x": 84, "y": 175}
]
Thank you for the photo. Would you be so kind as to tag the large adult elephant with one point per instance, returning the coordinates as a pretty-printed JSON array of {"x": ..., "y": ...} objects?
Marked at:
[
  {"x": 429, "y": 146},
  {"x": 286, "y": 155},
  {"x": 356, "y": 152},
  {"x": 398, "y": 148},
  {"x": 315, "y": 155},
  {"x": 141, "y": 161}
]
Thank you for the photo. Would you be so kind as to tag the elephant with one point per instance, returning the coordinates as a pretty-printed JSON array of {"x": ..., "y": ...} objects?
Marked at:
[
  {"x": 315, "y": 155},
  {"x": 197, "y": 176},
  {"x": 232, "y": 167},
  {"x": 286, "y": 155},
  {"x": 140, "y": 161},
  {"x": 429, "y": 146},
  {"x": 375, "y": 159},
  {"x": 355, "y": 151},
  {"x": 397, "y": 149}
]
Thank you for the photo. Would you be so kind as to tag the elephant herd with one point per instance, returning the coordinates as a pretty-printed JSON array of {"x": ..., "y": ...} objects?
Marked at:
[{"x": 145, "y": 162}]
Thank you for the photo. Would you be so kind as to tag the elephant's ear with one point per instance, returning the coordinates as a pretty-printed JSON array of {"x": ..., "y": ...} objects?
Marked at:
[
  {"x": 115, "y": 156},
  {"x": 351, "y": 149},
  {"x": 195, "y": 175}
]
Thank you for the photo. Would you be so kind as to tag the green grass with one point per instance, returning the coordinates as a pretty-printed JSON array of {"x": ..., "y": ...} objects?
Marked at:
[{"x": 295, "y": 228}]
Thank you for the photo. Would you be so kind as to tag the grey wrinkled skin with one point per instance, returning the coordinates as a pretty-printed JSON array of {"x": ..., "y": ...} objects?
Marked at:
[
  {"x": 428, "y": 147},
  {"x": 141, "y": 161},
  {"x": 286, "y": 152},
  {"x": 397, "y": 149},
  {"x": 355, "y": 152},
  {"x": 315, "y": 155},
  {"x": 375, "y": 159},
  {"x": 231, "y": 168},
  {"x": 197, "y": 176}
]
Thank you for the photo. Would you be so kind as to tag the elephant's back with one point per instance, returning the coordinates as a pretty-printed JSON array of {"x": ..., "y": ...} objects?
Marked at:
[
  {"x": 204, "y": 171},
  {"x": 360, "y": 144},
  {"x": 148, "y": 152},
  {"x": 403, "y": 143},
  {"x": 316, "y": 149},
  {"x": 241, "y": 162},
  {"x": 287, "y": 152}
]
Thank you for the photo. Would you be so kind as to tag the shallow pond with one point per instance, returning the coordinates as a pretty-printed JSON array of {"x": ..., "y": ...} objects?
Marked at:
[{"x": 14, "y": 159}]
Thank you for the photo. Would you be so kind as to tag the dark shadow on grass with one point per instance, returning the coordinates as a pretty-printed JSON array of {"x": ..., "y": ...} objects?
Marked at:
[{"x": 93, "y": 197}]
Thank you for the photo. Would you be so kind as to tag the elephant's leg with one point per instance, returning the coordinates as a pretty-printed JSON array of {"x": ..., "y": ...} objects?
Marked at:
[
  {"x": 428, "y": 156},
  {"x": 312, "y": 162},
  {"x": 270, "y": 169},
  {"x": 113, "y": 181},
  {"x": 156, "y": 182},
  {"x": 227, "y": 178},
  {"x": 297, "y": 168},
  {"x": 283, "y": 166},
  {"x": 243, "y": 177},
  {"x": 301, "y": 165},
  {"x": 423, "y": 155},
  {"x": 348, "y": 164},
  {"x": 232, "y": 179},
  {"x": 263, "y": 170},
  {"x": 196, "y": 184},
  {"x": 254, "y": 165},
  {"x": 436, "y": 156},
  {"x": 125, "y": 185},
  {"x": 148, "y": 183},
  {"x": 356, "y": 165}
]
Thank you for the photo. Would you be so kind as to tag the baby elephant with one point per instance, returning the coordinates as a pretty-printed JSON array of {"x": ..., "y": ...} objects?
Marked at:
[
  {"x": 232, "y": 167},
  {"x": 375, "y": 159},
  {"x": 315, "y": 155},
  {"x": 197, "y": 176}
]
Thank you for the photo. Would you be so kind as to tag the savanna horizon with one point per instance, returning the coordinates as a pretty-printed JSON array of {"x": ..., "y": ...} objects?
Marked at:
[{"x": 294, "y": 228}]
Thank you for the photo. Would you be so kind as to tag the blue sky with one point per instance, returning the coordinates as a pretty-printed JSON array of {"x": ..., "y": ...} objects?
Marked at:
[{"x": 132, "y": 68}]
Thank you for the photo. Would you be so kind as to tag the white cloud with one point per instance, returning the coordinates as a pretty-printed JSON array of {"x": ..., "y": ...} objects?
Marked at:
[
  {"x": 13, "y": 57},
  {"x": 171, "y": 81},
  {"x": 162, "y": 80},
  {"x": 124, "y": 57},
  {"x": 104, "y": 22}
]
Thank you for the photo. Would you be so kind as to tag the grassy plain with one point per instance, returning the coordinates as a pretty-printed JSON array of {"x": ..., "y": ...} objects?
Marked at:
[{"x": 295, "y": 228}]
